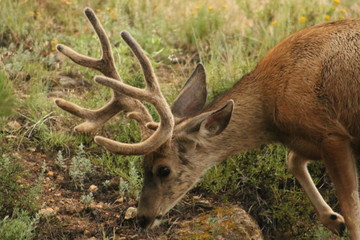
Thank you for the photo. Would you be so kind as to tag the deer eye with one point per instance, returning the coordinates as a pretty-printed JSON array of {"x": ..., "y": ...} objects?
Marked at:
[{"x": 163, "y": 171}]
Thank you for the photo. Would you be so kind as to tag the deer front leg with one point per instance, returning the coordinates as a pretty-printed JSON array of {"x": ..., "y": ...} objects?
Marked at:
[
  {"x": 341, "y": 166},
  {"x": 298, "y": 167}
]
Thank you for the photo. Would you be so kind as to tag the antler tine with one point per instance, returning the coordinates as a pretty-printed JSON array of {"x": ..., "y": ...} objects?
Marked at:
[
  {"x": 96, "y": 118},
  {"x": 151, "y": 94},
  {"x": 146, "y": 66},
  {"x": 106, "y": 63}
]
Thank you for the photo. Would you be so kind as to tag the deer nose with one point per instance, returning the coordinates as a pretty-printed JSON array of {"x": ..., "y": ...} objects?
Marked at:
[{"x": 144, "y": 222}]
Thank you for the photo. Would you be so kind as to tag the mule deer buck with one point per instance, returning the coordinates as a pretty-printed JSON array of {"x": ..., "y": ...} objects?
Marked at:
[{"x": 304, "y": 93}]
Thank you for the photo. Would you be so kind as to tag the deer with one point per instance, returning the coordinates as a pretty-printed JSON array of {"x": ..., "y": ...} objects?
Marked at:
[{"x": 304, "y": 93}]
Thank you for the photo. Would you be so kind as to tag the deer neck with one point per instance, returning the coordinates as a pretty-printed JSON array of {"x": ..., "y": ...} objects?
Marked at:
[{"x": 249, "y": 127}]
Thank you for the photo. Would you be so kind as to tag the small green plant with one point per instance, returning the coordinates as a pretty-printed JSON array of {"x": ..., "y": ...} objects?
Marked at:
[
  {"x": 80, "y": 167},
  {"x": 20, "y": 226},
  {"x": 7, "y": 100},
  {"x": 203, "y": 24},
  {"x": 132, "y": 184},
  {"x": 87, "y": 199},
  {"x": 13, "y": 194},
  {"x": 59, "y": 160}
]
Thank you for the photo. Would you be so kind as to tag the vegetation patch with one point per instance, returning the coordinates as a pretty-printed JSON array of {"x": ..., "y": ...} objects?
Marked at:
[{"x": 57, "y": 184}]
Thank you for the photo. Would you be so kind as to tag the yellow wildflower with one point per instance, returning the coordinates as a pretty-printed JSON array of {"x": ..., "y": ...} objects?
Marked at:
[
  {"x": 31, "y": 13},
  {"x": 337, "y": 2},
  {"x": 302, "y": 19},
  {"x": 38, "y": 15},
  {"x": 53, "y": 44},
  {"x": 98, "y": 10},
  {"x": 274, "y": 23},
  {"x": 343, "y": 10},
  {"x": 111, "y": 10},
  {"x": 327, "y": 17},
  {"x": 197, "y": 8},
  {"x": 225, "y": 6},
  {"x": 211, "y": 8}
]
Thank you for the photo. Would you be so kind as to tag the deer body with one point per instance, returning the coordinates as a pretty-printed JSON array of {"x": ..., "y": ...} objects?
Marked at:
[{"x": 304, "y": 93}]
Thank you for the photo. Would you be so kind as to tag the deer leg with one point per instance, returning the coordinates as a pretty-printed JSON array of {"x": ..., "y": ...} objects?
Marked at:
[
  {"x": 341, "y": 166},
  {"x": 298, "y": 167}
]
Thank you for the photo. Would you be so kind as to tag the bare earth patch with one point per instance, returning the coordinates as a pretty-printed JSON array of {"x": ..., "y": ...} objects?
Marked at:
[{"x": 65, "y": 216}]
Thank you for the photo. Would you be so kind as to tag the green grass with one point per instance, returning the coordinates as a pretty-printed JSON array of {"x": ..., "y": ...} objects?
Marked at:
[
  {"x": 7, "y": 100},
  {"x": 21, "y": 226},
  {"x": 13, "y": 194},
  {"x": 229, "y": 37}
]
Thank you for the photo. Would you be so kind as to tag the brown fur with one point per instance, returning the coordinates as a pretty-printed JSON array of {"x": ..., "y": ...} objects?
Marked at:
[{"x": 304, "y": 93}]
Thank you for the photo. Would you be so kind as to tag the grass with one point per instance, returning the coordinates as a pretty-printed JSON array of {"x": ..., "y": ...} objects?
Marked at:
[
  {"x": 229, "y": 37},
  {"x": 21, "y": 226}
]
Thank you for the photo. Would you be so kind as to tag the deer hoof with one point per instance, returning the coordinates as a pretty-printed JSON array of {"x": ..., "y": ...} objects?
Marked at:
[{"x": 334, "y": 222}]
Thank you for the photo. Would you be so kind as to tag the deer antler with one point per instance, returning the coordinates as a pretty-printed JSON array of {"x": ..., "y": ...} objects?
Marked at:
[
  {"x": 125, "y": 97},
  {"x": 152, "y": 94},
  {"x": 96, "y": 118}
]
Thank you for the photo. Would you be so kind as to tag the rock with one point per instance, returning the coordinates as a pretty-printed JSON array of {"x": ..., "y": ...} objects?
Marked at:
[
  {"x": 14, "y": 125},
  {"x": 87, "y": 233},
  {"x": 11, "y": 136},
  {"x": 56, "y": 94},
  {"x": 70, "y": 82},
  {"x": 93, "y": 188},
  {"x": 130, "y": 213},
  {"x": 31, "y": 149},
  {"x": 229, "y": 222},
  {"x": 92, "y": 238},
  {"x": 47, "y": 212},
  {"x": 99, "y": 205}
]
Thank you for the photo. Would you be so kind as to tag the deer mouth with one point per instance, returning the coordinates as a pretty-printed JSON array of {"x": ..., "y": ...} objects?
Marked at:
[{"x": 147, "y": 222}]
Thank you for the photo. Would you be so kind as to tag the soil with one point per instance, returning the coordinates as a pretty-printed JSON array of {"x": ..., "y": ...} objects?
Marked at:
[{"x": 65, "y": 216}]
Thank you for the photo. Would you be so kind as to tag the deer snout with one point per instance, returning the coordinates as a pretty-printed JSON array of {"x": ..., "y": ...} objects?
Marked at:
[
  {"x": 144, "y": 221},
  {"x": 148, "y": 222}
]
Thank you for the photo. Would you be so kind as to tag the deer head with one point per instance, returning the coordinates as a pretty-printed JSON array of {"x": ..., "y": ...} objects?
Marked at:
[{"x": 176, "y": 150}]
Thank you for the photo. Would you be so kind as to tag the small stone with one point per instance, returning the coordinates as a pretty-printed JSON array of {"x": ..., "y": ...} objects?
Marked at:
[
  {"x": 10, "y": 136},
  {"x": 56, "y": 94},
  {"x": 87, "y": 233},
  {"x": 31, "y": 149},
  {"x": 130, "y": 213},
  {"x": 196, "y": 197},
  {"x": 60, "y": 178},
  {"x": 14, "y": 125},
  {"x": 47, "y": 212},
  {"x": 50, "y": 173},
  {"x": 72, "y": 82},
  {"x": 93, "y": 188},
  {"x": 99, "y": 205}
]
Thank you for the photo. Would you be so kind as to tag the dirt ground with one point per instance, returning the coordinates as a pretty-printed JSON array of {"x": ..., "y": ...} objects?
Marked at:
[{"x": 108, "y": 216}]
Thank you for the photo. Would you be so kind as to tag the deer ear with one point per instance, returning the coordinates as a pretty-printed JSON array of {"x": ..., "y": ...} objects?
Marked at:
[
  {"x": 193, "y": 95},
  {"x": 217, "y": 121},
  {"x": 212, "y": 123}
]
